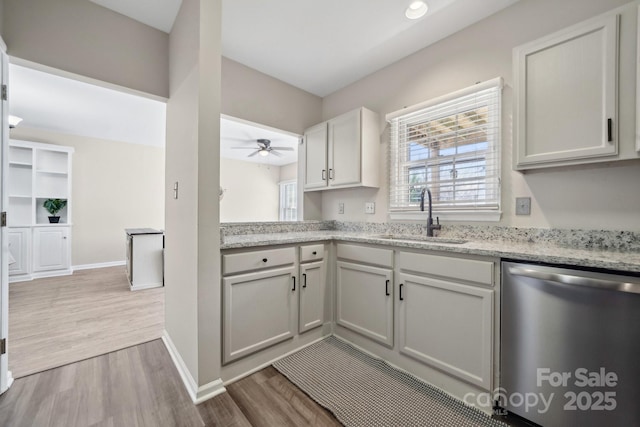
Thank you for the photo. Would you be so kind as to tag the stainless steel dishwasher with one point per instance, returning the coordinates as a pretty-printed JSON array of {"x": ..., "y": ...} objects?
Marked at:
[{"x": 570, "y": 346}]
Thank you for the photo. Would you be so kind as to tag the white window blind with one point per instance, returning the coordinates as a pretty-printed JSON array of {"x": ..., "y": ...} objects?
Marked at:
[
  {"x": 288, "y": 201},
  {"x": 450, "y": 145}
]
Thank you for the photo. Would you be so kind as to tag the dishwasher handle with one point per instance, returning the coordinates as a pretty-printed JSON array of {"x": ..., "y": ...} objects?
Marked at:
[{"x": 570, "y": 279}]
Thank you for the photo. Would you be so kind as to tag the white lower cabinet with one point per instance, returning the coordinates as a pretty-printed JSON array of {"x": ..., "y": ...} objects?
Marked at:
[
  {"x": 447, "y": 325},
  {"x": 365, "y": 300},
  {"x": 50, "y": 248},
  {"x": 19, "y": 246},
  {"x": 259, "y": 310},
  {"x": 312, "y": 295}
]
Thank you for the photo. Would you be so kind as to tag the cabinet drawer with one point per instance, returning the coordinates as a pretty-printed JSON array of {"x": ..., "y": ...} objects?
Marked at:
[
  {"x": 445, "y": 266},
  {"x": 255, "y": 260},
  {"x": 365, "y": 254},
  {"x": 311, "y": 252}
]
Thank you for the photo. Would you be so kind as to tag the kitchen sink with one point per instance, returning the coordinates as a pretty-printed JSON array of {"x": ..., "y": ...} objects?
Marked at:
[{"x": 419, "y": 238}]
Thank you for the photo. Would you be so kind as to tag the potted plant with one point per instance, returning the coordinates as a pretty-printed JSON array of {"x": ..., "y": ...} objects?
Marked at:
[{"x": 53, "y": 206}]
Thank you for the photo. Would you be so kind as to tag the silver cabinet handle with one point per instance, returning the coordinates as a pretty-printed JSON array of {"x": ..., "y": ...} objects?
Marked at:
[
  {"x": 324, "y": 174},
  {"x": 569, "y": 279}
]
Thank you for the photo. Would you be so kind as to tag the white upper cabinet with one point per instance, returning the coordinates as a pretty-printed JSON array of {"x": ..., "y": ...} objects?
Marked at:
[
  {"x": 343, "y": 152},
  {"x": 566, "y": 96},
  {"x": 315, "y": 174}
]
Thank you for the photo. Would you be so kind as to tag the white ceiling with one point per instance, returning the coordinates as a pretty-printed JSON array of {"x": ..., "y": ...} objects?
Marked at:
[
  {"x": 235, "y": 133},
  {"x": 321, "y": 46},
  {"x": 49, "y": 102}
]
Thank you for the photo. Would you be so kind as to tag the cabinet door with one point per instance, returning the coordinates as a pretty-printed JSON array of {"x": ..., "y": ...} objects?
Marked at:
[
  {"x": 312, "y": 295},
  {"x": 566, "y": 95},
  {"x": 19, "y": 250},
  {"x": 345, "y": 161},
  {"x": 447, "y": 325},
  {"x": 50, "y": 248},
  {"x": 365, "y": 300},
  {"x": 315, "y": 172},
  {"x": 259, "y": 311}
]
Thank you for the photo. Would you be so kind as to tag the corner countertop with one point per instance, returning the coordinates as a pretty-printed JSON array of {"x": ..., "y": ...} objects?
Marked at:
[
  {"x": 135, "y": 231},
  {"x": 535, "y": 252}
]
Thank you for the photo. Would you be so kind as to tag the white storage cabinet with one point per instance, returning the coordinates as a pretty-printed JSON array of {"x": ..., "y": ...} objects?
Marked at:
[
  {"x": 343, "y": 152},
  {"x": 364, "y": 288},
  {"x": 566, "y": 96},
  {"x": 313, "y": 295},
  {"x": 445, "y": 314},
  {"x": 145, "y": 258},
  {"x": 38, "y": 172}
]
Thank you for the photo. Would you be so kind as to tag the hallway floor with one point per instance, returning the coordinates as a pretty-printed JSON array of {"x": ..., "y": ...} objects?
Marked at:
[{"x": 60, "y": 320}]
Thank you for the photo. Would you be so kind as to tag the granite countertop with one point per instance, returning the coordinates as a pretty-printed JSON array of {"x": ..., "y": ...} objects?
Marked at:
[
  {"x": 627, "y": 261},
  {"x": 134, "y": 231}
]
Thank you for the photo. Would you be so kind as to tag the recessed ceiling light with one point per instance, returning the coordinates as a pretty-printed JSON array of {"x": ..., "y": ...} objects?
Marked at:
[{"x": 416, "y": 10}]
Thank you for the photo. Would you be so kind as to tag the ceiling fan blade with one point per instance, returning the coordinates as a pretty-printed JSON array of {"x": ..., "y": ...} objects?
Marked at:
[
  {"x": 275, "y": 153},
  {"x": 283, "y": 148},
  {"x": 243, "y": 148},
  {"x": 254, "y": 153}
]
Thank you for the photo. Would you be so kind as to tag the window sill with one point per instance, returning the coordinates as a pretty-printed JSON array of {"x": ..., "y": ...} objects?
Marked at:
[{"x": 482, "y": 216}]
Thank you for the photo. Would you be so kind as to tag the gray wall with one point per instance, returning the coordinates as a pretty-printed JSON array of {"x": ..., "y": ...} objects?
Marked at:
[
  {"x": 192, "y": 267},
  {"x": 251, "y": 95},
  {"x": 81, "y": 37},
  {"x": 603, "y": 196},
  {"x": 1, "y": 17}
]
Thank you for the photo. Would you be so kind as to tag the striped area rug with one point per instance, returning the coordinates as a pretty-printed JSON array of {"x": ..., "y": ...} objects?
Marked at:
[{"x": 361, "y": 390}]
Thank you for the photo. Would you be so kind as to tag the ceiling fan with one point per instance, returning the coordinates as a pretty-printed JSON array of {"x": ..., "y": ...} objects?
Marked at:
[{"x": 264, "y": 148}]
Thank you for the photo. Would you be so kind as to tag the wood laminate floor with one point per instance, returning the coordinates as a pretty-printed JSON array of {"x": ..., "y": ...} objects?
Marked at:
[
  {"x": 139, "y": 386},
  {"x": 59, "y": 320}
]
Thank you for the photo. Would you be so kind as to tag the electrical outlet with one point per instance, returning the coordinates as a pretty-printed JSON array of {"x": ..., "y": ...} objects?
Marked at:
[
  {"x": 370, "y": 207},
  {"x": 523, "y": 205},
  {"x": 340, "y": 208}
]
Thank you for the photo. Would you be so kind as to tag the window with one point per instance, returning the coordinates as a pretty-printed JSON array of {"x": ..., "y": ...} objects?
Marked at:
[
  {"x": 288, "y": 201},
  {"x": 450, "y": 145}
]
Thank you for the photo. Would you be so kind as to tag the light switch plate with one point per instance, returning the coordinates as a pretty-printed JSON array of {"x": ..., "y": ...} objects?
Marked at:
[
  {"x": 523, "y": 205},
  {"x": 340, "y": 208},
  {"x": 370, "y": 207}
]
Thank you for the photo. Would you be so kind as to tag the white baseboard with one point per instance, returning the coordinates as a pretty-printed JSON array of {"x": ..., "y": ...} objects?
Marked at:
[
  {"x": 197, "y": 394},
  {"x": 269, "y": 363},
  {"x": 98, "y": 265}
]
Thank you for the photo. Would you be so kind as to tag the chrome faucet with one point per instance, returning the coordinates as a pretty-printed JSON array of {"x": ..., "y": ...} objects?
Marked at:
[{"x": 430, "y": 226}]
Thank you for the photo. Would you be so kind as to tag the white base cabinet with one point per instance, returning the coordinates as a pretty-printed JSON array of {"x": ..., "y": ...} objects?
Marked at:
[
  {"x": 271, "y": 295},
  {"x": 50, "y": 248},
  {"x": 447, "y": 325},
  {"x": 19, "y": 247},
  {"x": 259, "y": 311},
  {"x": 365, "y": 301},
  {"x": 312, "y": 286},
  {"x": 364, "y": 292}
]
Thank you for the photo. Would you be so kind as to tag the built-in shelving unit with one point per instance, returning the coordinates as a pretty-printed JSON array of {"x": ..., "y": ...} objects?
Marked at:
[{"x": 38, "y": 172}]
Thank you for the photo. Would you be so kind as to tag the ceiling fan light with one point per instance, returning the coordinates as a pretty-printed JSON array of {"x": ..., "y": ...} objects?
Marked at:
[
  {"x": 416, "y": 10},
  {"x": 14, "y": 121},
  {"x": 264, "y": 153}
]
